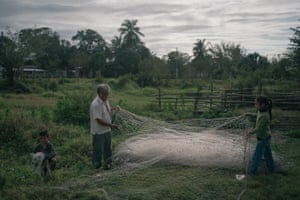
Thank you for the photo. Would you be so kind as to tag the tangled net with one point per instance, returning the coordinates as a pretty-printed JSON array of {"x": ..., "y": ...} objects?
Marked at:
[{"x": 197, "y": 142}]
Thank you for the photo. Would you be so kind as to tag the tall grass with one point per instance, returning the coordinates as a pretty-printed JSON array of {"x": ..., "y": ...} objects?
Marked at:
[{"x": 64, "y": 113}]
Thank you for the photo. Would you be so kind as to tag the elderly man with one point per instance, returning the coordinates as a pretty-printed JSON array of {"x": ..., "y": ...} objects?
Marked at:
[{"x": 101, "y": 125}]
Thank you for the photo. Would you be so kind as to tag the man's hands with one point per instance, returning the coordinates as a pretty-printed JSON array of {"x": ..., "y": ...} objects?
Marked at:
[
  {"x": 116, "y": 126},
  {"x": 116, "y": 109}
]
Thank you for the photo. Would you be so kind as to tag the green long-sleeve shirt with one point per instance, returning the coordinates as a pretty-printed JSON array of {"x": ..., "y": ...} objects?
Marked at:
[{"x": 262, "y": 125}]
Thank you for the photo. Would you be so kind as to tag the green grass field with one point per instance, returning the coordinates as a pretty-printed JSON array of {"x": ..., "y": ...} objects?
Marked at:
[{"x": 24, "y": 115}]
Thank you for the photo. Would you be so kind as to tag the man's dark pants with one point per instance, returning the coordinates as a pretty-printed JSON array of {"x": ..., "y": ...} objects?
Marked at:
[{"x": 102, "y": 146}]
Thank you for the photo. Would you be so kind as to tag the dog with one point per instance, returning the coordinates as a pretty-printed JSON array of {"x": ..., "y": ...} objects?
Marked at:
[{"x": 40, "y": 165}]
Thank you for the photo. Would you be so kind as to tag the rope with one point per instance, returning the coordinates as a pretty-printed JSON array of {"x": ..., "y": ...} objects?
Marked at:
[
  {"x": 242, "y": 193},
  {"x": 245, "y": 161},
  {"x": 234, "y": 120}
]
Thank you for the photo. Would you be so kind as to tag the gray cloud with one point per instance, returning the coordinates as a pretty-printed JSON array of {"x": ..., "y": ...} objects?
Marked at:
[{"x": 261, "y": 26}]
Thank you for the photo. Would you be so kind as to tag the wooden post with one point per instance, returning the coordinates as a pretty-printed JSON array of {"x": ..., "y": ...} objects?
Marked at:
[
  {"x": 241, "y": 103},
  {"x": 159, "y": 98},
  {"x": 197, "y": 96},
  {"x": 225, "y": 98},
  {"x": 211, "y": 93},
  {"x": 259, "y": 88}
]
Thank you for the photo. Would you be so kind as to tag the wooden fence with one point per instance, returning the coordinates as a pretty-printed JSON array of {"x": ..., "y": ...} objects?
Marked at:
[
  {"x": 227, "y": 98},
  {"x": 200, "y": 101},
  {"x": 203, "y": 101}
]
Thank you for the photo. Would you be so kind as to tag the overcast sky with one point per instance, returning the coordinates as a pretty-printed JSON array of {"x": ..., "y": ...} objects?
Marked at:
[{"x": 257, "y": 25}]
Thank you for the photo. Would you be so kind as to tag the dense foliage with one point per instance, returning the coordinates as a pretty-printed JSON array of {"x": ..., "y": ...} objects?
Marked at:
[{"x": 90, "y": 55}]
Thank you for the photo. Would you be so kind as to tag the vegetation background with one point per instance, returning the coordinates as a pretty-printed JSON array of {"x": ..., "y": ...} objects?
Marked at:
[
  {"x": 61, "y": 105},
  {"x": 64, "y": 113}
]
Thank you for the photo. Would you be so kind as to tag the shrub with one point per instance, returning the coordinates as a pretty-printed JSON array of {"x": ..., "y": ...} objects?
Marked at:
[
  {"x": 76, "y": 150},
  {"x": 53, "y": 86},
  {"x": 14, "y": 132},
  {"x": 9, "y": 130},
  {"x": 99, "y": 80},
  {"x": 63, "y": 111},
  {"x": 17, "y": 87},
  {"x": 127, "y": 82},
  {"x": 45, "y": 115},
  {"x": 246, "y": 82},
  {"x": 2, "y": 182},
  {"x": 294, "y": 133},
  {"x": 73, "y": 108}
]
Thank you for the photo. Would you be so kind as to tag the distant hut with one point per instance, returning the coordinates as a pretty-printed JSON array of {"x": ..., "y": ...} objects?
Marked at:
[{"x": 33, "y": 72}]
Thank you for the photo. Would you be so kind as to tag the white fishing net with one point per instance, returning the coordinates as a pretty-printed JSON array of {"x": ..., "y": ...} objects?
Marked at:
[
  {"x": 208, "y": 142},
  {"x": 219, "y": 143}
]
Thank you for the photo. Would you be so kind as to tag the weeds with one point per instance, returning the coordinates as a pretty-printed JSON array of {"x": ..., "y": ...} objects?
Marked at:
[
  {"x": 73, "y": 108},
  {"x": 66, "y": 119},
  {"x": 294, "y": 133}
]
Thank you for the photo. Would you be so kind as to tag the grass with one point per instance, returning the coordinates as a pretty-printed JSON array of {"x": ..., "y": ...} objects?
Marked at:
[{"x": 76, "y": 179}]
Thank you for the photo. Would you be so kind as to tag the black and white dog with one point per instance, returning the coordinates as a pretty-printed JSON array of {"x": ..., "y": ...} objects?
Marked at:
[{"x": 40, "y": 165}]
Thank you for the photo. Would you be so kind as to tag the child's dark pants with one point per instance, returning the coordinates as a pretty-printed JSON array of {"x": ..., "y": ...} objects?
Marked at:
[{"x": 263, "y": 148}]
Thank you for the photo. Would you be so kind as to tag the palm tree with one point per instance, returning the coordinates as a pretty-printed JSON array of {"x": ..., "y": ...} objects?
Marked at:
[
  {"x": 116, "y": 44},
  {"x": 130, "y": 33},
  {"x": 202, "y": 59},
  {"x": 294, "y": 51},
  {"x": 200, "y": 49}
]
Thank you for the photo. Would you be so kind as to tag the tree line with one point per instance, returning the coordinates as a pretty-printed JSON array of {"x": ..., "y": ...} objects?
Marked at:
[{"x": 91, "y": 55}]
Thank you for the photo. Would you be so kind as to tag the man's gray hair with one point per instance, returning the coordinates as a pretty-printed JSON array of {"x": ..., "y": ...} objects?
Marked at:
[{"x": 103, "y": 87}]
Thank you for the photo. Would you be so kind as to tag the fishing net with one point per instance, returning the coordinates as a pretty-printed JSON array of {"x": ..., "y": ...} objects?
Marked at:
[
  {"x": 196, "y": 142},
  {"x": 210, "y": 143}
]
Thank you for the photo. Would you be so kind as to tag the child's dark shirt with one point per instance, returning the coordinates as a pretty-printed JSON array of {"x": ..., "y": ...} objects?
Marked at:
[{"x": 48, "y": 149}]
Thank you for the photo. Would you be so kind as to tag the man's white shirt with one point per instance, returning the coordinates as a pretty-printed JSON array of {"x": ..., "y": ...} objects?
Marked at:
[{"x": 99, "y": 110}]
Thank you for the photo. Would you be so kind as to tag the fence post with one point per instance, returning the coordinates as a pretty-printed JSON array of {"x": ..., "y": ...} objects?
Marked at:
[
  {"x": 159, "y": 98},
  {"x": 197, "y": 100},
  {"x": 242, "y": 97},
  {"x": 224, "y": 98},
  {"x": 211, "y": 93},
  {"x": 259, "y": 88}
]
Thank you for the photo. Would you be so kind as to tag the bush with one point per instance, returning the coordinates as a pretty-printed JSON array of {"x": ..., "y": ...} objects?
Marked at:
[
  {"x": 75, "y": 150},
  {"x": 17, "y": 87},
  {"x": 127, "y": 82},
  {"x": 73, "y": 108},
  {"x": 53, "y": 86},
  {"x": 99, "y": 80},
  {"x": 45, "y": 115},
  {"x": 22, "y": 88},
  {"x": 10, "y": 129},
  {"x": 294, "y": 133},
  {"x": 2, "y": 182},
  {"x": 16, "y": 132}
]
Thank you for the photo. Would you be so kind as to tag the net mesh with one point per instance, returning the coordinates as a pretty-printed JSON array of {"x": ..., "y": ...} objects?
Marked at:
[
  {"x": 208, "y": 143},
  {"x": 196, "y": 142}
]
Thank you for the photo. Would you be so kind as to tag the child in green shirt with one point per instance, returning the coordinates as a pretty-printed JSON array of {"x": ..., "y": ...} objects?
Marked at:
[{"x": 263, "y": 134}]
